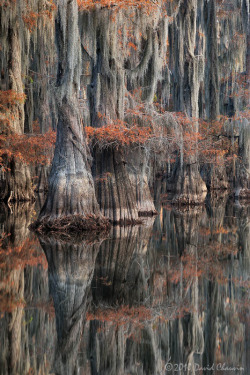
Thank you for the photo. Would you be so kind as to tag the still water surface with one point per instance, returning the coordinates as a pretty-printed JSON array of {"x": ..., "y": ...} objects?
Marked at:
[{"x": 167, "y": 297}]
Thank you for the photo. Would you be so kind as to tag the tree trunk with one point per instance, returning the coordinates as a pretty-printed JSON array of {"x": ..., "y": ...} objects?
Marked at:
[
  {"x": 71, "y": 186},
  {"x": 16, "y": 182},
  {"x": 189, "y": 186},
  {"x": 104, "y": 47},
  {"x": 138, "y": 168},
  {"x": 114, "y": 191},
  {"x": 215, "y": 175}
]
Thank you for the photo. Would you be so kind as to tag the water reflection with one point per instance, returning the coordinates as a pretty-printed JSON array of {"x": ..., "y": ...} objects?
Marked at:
[
  {"x": 71, "y": 268},
  {"x": 25, "y": 324},
  {"x": 167, "y": 297}
]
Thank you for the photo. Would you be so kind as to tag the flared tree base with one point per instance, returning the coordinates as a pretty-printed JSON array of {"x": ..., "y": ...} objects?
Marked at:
[
  {"x": 16, "y": 183},
  {"x": 72, "y": 224},
  {"x": 189, "y": 189}
]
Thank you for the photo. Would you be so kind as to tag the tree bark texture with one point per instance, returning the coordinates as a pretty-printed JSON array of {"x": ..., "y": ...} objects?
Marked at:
[{"x": 71, "y": 187}]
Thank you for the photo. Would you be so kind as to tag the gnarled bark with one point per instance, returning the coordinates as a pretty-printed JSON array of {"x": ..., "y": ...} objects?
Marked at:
[
  {"x": 71, "y": 187},
  {"x": 114, "y": 191}
]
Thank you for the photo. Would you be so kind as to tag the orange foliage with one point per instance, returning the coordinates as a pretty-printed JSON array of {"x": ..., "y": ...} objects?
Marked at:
[
  {"x": 117, "y": 133},
  {"x": 215, "y": 145},
  {"x": 132, "y": 45},
  {"x": 6, "y": 3},
  {"x": 29, "y": 148},
  {"x": 30, "y": 20},
  {"x": 10, "y": 98},
  {"x": 238, "y": 85},
  {"x": 148, "y": 5},
  {"x": 205, "y": 138},
  {"x": 8, "y": 101},
  {"x": 30, "y": 17}
]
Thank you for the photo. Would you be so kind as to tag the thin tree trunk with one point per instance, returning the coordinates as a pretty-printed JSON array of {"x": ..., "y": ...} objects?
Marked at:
[
  {"x": 215, "y": 175},
  {"x": 189, "y": 186}
]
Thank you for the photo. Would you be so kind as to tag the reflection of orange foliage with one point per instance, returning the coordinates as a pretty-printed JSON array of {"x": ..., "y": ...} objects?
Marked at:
[
  {"x": 139, "y": 316},
  {"x": 13, "y": 260},
  {"x": 9, "y": 302},
  {"x": 227, "y": 8},
  {"x": 220, "y": 230},
  {"x": 242, "y": 283},
  {"x": 21, "y": 256},
  {"x": 104, "y": 177},
  {"x": 207, "y": 263},
  {"x": 47, "y": 307},
  {"x": 122, "y": 315}
]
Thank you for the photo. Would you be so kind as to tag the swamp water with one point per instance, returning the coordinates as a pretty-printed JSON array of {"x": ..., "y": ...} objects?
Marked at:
[{"x": 167, "y": 297}]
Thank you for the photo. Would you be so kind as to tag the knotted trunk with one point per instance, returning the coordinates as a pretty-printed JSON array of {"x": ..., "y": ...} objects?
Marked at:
[{"x": 71, "y": 187}]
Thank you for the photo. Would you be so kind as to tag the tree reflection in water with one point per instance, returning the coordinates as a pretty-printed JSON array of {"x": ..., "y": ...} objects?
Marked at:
[
  {"x": 71, "y": 268},
  {"x": 172, "y": 291}
]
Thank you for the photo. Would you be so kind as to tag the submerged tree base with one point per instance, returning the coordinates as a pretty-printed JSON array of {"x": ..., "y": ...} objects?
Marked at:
[
  {"x": 189, "y": 199},
  {"x": 126, "y": 222},
  {"x": 147, "y": 213},
  {"x": 244, "y": 194},
  {"x": 81, "y": 225},
  {"x": 71, "y": 224}
]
